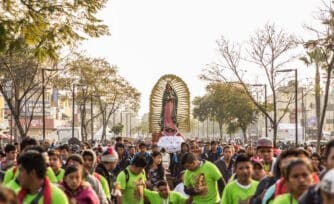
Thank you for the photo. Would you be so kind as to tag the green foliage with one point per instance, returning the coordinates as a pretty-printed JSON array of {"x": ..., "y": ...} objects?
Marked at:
[
  {"x": 227, "y": 104},
  {"x": 117, "y": 129},
  {"x": 47, "y": 26}
]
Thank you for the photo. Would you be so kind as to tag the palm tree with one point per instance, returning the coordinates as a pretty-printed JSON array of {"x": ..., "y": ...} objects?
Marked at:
[{"x": 316, "y": 57}]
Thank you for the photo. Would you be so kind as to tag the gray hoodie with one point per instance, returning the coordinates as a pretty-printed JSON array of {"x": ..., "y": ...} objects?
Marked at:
[{"x": 94, "y": 182}]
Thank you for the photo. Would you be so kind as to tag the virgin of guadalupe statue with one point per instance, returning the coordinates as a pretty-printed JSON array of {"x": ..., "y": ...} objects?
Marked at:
[
  {"x": 168, "y": 117},
  {"x": 169, "y": 108}
]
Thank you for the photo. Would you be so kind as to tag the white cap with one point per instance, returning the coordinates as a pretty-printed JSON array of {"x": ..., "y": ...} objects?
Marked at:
[
  {"x": 109, "y": 155},
  {"x": 327, "y": 182}
]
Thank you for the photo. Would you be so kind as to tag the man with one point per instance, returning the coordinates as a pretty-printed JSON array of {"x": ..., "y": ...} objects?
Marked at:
[
  {"x": 55, "y": 164},
  {"x": 243, "y": 188},
  {"x": 258, "y": 170},
  {"x": 265, "y": 151},
  {"x": 10, "y": 159},
  {"x": 175, "y": 166},
  {"x": 155, "y": 148},
  {"x": 213, "y": 154},
  {"x": 322, "y": 193},
  {"x": 164, "y": 195},
  {"x": 123, "y": 161},
  {"x": 312, "y": 196},
  {"x": 143, "y": 152},
  {"x": 131, "y": 152},
  {"x": 132, "y": 181},
  {"x": 65, "y": 152},
  {"x": 109, "y": 159},
  {"x": 12, "y": 172},
  {"x": 202, "y": 180},
  {"x": 89, "y": 159},
  {"x": 226, "y": 164},
  {"x": 35, "y": 185}
]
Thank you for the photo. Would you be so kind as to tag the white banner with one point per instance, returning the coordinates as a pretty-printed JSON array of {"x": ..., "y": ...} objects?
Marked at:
[{"x": 171, "y": 143}]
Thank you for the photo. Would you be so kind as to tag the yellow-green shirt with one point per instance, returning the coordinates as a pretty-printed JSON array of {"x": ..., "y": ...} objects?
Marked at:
[
  {"x": 285, "y": 199},
  {"x": 234, "y": 193},
  {"x": 60, "y": 175},
  {"x": 173, "y": 197},
  {"x": 57, "y": 197},
  {"x": 206, "y": 175},
  {"x": 9, "y": 175},
  {"x": 128, "y": 188}
]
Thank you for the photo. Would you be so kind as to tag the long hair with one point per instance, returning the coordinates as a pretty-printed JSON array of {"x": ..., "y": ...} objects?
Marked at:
[{"x": 161, "y": 171}]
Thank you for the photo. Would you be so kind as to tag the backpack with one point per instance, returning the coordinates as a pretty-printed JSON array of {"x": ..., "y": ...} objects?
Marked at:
[{"x": 126, "y": 172}]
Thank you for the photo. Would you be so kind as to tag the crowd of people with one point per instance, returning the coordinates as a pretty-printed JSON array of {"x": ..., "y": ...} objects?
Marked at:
[{"x": 126, "y": 173}]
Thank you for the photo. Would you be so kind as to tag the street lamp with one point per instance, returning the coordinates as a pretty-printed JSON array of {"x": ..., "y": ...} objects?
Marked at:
[
  {"x": 265, "y": 104},
  {"x": 43, "y": 96},
  {"x": 73, "y": 105},
  {"x": 296, "y": 101}
]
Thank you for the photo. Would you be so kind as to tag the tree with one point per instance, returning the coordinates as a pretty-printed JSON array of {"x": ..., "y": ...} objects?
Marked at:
[
  {"x": 110, "y": 91},
  {"x": 227, "y": 104},
  {"x": 40, "y": 29},
  {"x": 317, "y": 57},
  {"x": 117, "y": 129},
  {"x": 20, "y": 80},
  {"x": 47, "y": 26},
  {"x": 322, "y": 46},
  {"x": 268, "y": 49}
]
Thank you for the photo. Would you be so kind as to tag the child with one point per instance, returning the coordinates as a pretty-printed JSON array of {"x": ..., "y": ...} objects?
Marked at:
[
  {"x": 243, "y": 187},
  {"x": 76, "y": 189}
]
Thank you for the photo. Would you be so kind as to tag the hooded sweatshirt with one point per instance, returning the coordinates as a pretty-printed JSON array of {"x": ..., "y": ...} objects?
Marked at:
[{"x": 95, "y": 182}]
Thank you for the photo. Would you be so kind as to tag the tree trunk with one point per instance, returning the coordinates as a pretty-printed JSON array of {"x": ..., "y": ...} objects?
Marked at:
[
  {"x": 323, "y": 114},
  {"x": 244, "y": 132},
  {"x": 220, "y": 124},
  {"x": 274, "y": 122},
  {"x": 83, "y": 122},
  {"x": 317, "y": 101}
]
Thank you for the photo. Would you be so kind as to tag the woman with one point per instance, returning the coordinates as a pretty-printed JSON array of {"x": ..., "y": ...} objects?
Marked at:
[
  {"x": 76, "y": 189},
  {"x": 298, "y": 175},
  {"x": 316, "y": 162},
  {"x": 154, "y": 171}
]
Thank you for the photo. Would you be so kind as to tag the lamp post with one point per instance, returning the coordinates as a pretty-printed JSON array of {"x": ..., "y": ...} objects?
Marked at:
[
  {"x": 73, "y": 104},
  {"x": 296, "y": 101},
  {"x": 91, "y": 118},
  {"x": 43, "y": 96},
  {"x": 265, "y": 104}
]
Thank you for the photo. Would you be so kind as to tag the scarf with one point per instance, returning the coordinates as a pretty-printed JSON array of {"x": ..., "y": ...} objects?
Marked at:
[{"x": 46, "y": 192}]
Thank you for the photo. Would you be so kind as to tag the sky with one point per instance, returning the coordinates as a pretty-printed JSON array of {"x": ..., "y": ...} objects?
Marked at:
[{"x": 151, "y": 38}]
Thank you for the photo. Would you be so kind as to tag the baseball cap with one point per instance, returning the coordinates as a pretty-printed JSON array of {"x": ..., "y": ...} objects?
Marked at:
[
  {"x": 257, "y": 161},
  {"x": 264, "y": 142},
  {"x": 327, "y": 182}
]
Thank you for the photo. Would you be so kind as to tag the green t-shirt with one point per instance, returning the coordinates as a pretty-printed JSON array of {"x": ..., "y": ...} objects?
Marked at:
[
  {"x": 13, "y": 185},
  {"x": 285, "y": 199},
  {"x": 234, "y": 193},
  {"x": 9, "y": 175},
  {"x": 174, "y": 197},
  {"x": 128, "y": 188},
  {"x": 51, "y": 175},
  {"x": 57, "y": 196},
  {"x": 205, "y": 175},
  {"x": 60, "y": 175},
  {"x": 104, "y": 184}
]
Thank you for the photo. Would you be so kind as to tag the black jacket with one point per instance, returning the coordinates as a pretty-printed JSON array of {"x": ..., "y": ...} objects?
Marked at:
[
  {"x": 100, "y": 169},
  {"x": 311, "y": 196}
]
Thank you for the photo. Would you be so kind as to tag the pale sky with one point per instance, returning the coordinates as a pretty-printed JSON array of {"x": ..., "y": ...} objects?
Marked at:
[{"x": 150, "y": 38}]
